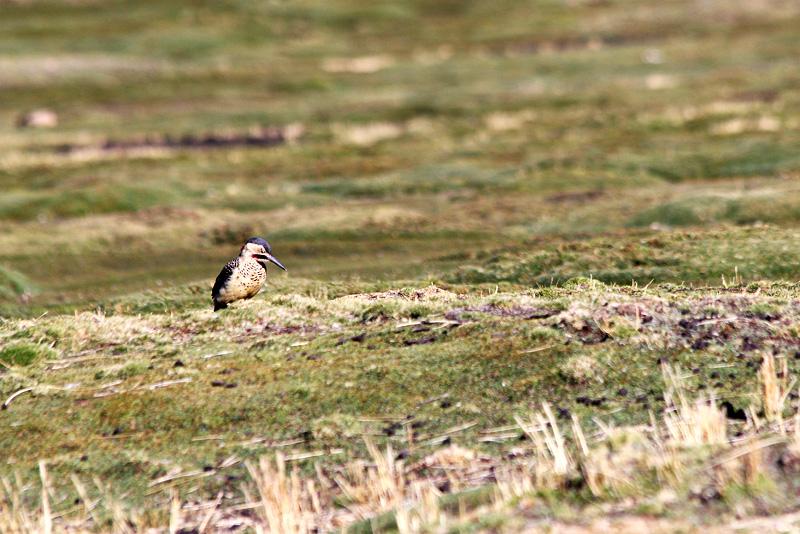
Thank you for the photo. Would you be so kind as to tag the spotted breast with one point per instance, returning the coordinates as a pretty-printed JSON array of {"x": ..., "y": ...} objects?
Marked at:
[{"x": 241, "y": 278}]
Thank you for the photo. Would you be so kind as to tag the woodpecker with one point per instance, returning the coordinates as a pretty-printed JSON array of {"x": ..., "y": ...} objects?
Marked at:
[{"x": 243, "y": 277}]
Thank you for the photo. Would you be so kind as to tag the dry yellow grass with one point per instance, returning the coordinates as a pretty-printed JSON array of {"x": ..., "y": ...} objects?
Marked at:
[
  {"x": 691, "y": 423},
  {"x": 288, "y": 503},
  {"x": 775, "y": 387}
]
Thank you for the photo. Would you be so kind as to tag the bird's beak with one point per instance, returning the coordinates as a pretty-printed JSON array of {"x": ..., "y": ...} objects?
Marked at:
[{"x": 269, "y": 257}]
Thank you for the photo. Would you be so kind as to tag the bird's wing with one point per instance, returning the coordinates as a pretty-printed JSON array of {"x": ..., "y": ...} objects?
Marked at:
[{"x": 223, "y": 277}]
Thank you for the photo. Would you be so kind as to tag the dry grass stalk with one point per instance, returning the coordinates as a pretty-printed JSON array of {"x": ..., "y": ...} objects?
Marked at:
[
  {"x": 775, "y": 388},
  {"x": 690, "y": 424},
  {"x": 13, "y": 396},
  {"x": 697, "y": 423},
  {"x": 745, "y": 463},
  {"x": 46, "y": 518},
  {"x": 88, "y": 505},
  {"x": 420, "y": 510},
  {"x": 373, "y": 489},
  {"x": 286, "y": 505},
  {"x": 551, "y": 465},
  {"x": 612, "y": 466},
  {"x": 387, "y": 481},
  {"x": 384, "y": 486},
  {"x": 14, "y": 518},
  {"x": 174, "y": 511},
  {"x": 592, "y": 471},
  {"x": 121, "y": 520},
  {"x": 512, "y": 483},
  {"x": 752, "y": 462},
  {"x": 794, "y": 441},
  {"x": 669, "y": 467},
  {"x": 770, "y": 387},
  {"x": 554, "y": 463},
  {"x": 553, "y": 459}
]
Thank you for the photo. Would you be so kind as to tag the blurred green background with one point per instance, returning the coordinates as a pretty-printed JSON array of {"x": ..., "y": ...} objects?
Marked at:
[{"x": 523, "y": 142}]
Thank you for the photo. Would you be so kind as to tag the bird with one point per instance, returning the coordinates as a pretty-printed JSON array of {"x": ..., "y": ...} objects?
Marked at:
[{"x": 244, "y": 276}]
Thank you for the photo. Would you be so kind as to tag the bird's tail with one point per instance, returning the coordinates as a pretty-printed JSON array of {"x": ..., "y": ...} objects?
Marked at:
[{"x": 219, "y": 305}]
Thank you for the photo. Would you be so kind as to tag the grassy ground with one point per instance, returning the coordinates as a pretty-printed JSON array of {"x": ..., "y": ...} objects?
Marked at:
[{"x": 484, "y": 207}]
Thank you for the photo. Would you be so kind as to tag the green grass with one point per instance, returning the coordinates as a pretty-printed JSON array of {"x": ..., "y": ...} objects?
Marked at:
[
  {"x": 22, "y": 354},
  {"x": 550, "y": 166},
  {"x": 333, "y": 364},
  {"x": 678, "y": 257}
]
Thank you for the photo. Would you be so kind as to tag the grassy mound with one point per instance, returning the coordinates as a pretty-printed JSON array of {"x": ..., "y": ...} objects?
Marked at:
[
  {"x": 679, "y": 257},
  {"x": 163, "y": 393}
]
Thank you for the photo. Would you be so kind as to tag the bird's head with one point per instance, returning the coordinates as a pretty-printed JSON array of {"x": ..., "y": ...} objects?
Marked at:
[{"x": 259, "y": 249}]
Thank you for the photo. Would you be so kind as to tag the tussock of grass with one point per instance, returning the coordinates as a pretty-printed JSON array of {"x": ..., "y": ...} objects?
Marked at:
[
  {"x": 23, "y": 354},
  {"x": 581, "y": 369}
]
